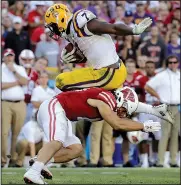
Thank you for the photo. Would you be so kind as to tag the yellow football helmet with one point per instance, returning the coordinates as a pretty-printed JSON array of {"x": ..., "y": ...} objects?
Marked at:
[{"x": 56, "y": 19}]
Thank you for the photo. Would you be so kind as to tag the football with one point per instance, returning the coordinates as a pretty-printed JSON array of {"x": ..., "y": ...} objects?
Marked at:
[
  {"x": 80, "y": 58},
  {"x": 135, "y": 137}
]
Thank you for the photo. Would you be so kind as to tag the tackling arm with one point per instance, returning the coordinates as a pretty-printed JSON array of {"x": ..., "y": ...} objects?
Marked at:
[{"x": 112, "y": 119}]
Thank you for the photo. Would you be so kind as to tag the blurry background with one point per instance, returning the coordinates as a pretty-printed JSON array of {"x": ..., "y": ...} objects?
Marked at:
[{"x": 22, "y": 30}]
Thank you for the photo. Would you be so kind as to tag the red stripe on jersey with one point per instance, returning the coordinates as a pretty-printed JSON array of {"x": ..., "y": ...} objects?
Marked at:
[
  {"x": 111, "y": 99},
  {"x": 105, "y": 99}
]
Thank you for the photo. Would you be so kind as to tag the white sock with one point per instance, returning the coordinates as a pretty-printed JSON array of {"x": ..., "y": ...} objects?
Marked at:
[
  {"x": 51, "y": 161},
  {"x": 153, "y": 157},
  {"x": 167, "y": 157},
  {"x": 37, "y": 166},
  {"x": 178, "y": 158},
  {"x": 145, "y": 108},
  {"x": 144, "y": 158}
]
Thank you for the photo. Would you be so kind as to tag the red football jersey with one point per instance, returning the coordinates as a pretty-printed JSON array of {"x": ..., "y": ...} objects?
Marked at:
[{"x": 76, "y": 107}]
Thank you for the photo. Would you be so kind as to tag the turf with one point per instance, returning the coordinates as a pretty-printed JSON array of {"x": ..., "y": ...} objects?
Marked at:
[{"x": 99, "y": 176}]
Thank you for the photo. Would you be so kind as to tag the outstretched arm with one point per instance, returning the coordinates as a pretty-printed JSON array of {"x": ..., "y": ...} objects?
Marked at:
[
  {"x": 112, "y": 119},
  {"x": 98, "y": 27}
]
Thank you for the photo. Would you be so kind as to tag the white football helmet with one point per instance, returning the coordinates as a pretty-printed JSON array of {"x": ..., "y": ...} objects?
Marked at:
[
  {"x": 26, "y": 58},
  {"x": 127, "y": 98}
]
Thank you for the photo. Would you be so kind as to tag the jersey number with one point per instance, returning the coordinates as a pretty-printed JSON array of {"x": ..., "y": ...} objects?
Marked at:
[{"x": 84, "y": 14}]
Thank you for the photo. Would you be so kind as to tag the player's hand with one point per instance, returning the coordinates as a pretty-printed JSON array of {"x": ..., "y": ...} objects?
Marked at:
[
  {"x": 141, "y": 27},
  {"x": 68, "y": 57},
  {"x": 151, "y": 126}
]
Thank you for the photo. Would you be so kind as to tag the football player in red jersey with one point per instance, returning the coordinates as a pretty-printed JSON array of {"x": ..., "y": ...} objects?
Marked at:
[{"x": 55, "y": 114}]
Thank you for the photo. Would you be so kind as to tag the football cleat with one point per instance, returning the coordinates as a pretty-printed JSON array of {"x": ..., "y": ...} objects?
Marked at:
[
  {"x": 45, "y": 171},
  {"x": 31, "y": 177},
  {"x": 164, "y": 113}
]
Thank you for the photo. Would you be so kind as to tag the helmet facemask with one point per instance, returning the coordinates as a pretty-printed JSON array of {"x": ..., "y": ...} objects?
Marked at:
[
  {"x": 126, "y": 98},
  {"x": 55, "y": 32}
]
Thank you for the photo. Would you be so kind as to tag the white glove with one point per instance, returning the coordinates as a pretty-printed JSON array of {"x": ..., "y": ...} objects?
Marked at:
[
  {"x": 68, "y": 57},
  {"x": 151, "y": 126},
  {"x": 141, "y": 27}
]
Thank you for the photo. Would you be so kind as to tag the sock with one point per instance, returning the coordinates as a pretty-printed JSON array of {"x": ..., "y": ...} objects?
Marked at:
[
  {"x": 52, "y": 160},
  {"x": 38, "y": 166},
  {"x": 145, "y": 159},
  {"x": 155, "y": 156},
  {"x": 178, "y": 158},
  {"x": 145, "y": 108},
  {"x": 167, "y": 157}
]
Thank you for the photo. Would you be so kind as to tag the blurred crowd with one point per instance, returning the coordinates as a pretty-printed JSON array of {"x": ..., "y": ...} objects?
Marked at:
[{"x": 152, "y": 61}]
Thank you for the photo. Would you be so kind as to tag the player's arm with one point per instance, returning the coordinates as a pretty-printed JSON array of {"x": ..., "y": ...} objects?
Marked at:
[
  {"x": 118, "y": 123},
  {"x": 98, "y": 27},
  {"x": 111, "y": 117}
]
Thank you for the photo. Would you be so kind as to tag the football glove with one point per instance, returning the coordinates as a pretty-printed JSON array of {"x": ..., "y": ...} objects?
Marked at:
[
  {"x": 68, "y": 57},
  {"x": 141, "y": 27},
  {"x": 151, "y": 126}
]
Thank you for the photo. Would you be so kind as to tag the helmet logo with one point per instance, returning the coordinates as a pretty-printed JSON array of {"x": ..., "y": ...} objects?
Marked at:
[{"x": 62, "y": 20}]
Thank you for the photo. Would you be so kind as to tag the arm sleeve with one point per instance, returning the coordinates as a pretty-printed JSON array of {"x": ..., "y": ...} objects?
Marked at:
[{"x": 108, "y": 98}]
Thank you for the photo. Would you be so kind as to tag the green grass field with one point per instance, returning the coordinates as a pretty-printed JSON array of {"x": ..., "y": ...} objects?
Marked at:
[{"x": 99, "y": 176}]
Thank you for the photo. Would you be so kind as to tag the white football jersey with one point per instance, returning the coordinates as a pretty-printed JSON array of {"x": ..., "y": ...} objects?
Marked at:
[{"x": 99, "y": 50}]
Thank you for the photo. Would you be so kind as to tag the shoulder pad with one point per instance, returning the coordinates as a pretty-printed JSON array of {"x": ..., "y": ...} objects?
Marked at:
[{"x": 82, "y": 17}]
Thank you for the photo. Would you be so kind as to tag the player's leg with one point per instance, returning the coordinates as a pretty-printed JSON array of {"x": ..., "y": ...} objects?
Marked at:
[
  {"x": 71, "y": 150},
  {"x": 54, "y": 124},
  {"x": 162, "y": 111},
  {"x": 107, "y": 78}
]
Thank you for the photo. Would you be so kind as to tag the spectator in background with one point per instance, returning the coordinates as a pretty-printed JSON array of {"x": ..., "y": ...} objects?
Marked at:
[
  {"x": 128, "y": 18},
  {"x": 100, "y": 14},
  {"x": 173, "y": 48},
  {"x": 40, "y": 64},
  {"x": 37, "y": 35},
  {"x": 36, "y": 16},
  {"x": 101, "y": 131},
  {"x": 131, "y": 69},
  {"x": 127, "y": 49},
  {"x": 29, "y": 141},
  {"x": 165, "y": 86},
  {"x": 82, "y": 131},
  {"x": 14, "y": 77},
  {"x": 48, "y": 48},
  {"x": 130, "y": 81},
  {"x": 141, "y": 12},
  {"x": 18, "y": 9},
  {"x": 42, "y": 91},
  {"x": 145, "y": 97},
  {"x": 17, "y": 39},
  {"x": 154, "y": 48},
  {"x": 7, "y": 23},
  {"x": 84, "y": 5},
  {"x": 26, "y": 59},
  {"x": 119, "y": 15},
  {"x": 141, "y": 61}
]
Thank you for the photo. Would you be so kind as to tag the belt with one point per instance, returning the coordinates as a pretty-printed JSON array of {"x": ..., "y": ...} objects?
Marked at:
[{"x": 17, "y": 101}]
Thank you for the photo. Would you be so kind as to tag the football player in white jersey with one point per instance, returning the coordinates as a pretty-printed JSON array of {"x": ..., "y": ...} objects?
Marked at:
[{"x": 91, "y": 37}]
